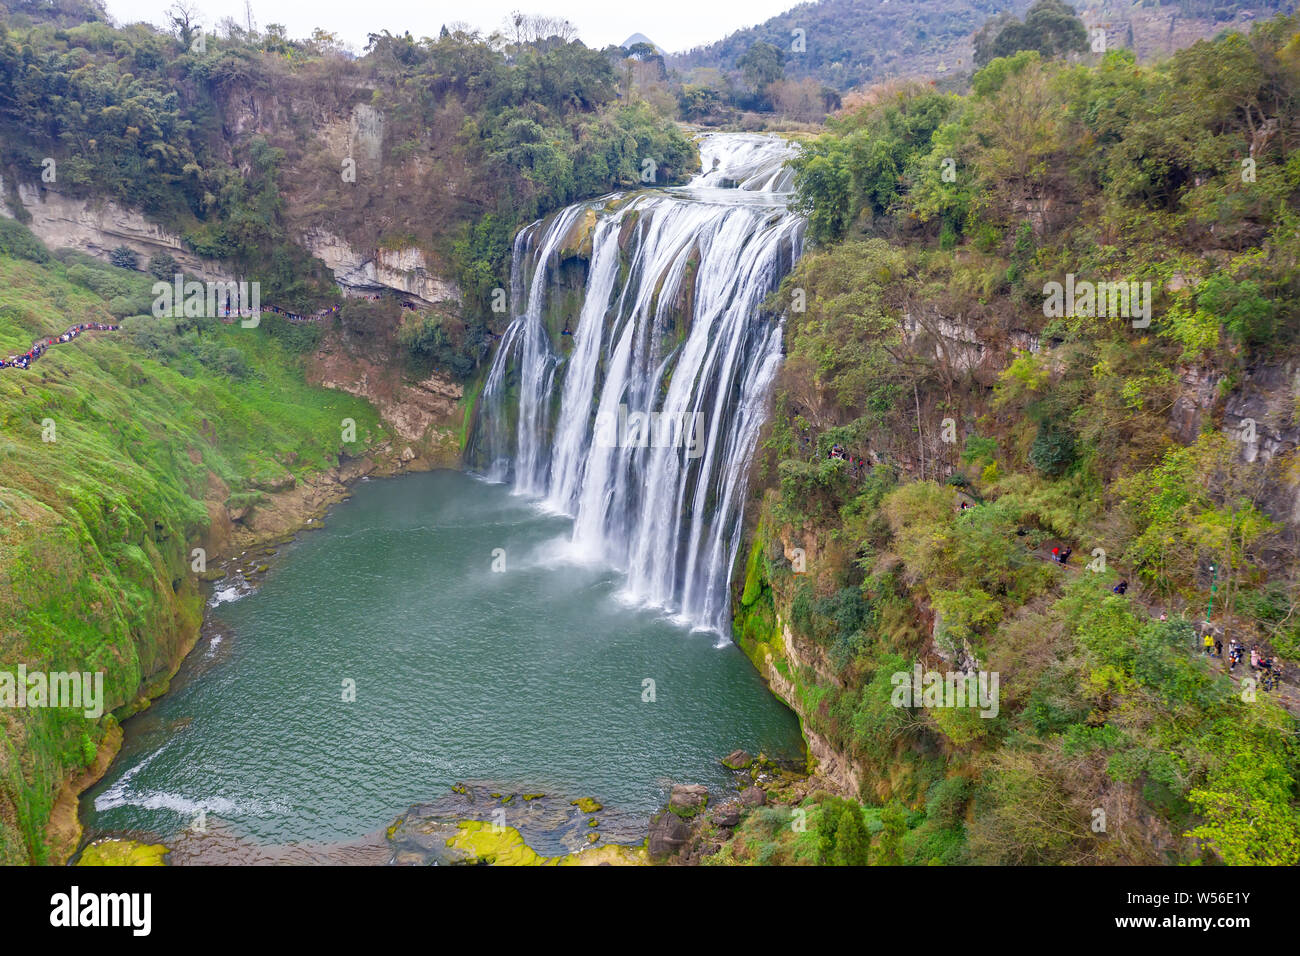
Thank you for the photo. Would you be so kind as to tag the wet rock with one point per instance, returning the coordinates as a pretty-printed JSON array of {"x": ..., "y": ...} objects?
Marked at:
[
  {"x": 688, "y": 799},
  {"x": 737, "y": 760}
]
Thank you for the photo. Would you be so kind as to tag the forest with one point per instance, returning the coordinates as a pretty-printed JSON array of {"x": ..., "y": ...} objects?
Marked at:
[{"x": 940, "y": 221}]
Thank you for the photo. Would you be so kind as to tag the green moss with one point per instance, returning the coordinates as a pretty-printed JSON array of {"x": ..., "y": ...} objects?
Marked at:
[
  {"x": 123, "y": 853},
  {"x": 588, "y": 804},
  {"x": 480, "y": 842}
]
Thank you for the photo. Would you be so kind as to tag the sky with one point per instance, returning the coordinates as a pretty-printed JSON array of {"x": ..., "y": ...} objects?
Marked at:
[{"x": 674, "y": 25}]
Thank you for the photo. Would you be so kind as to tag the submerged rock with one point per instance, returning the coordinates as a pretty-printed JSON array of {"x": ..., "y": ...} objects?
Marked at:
[{"x": 470, "y": 824}]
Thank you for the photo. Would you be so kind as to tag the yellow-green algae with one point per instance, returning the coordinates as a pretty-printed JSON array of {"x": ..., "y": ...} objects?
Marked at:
[
  {"x": 506, "y": 847},
  {"x": 588, "y": 804},
  {"x": 123, "y": 853}
]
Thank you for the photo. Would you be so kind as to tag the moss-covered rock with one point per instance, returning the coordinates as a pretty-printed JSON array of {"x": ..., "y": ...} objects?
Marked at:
[
  {"x": 123, "y": 853},
  {"x": 481, "y": 843}
]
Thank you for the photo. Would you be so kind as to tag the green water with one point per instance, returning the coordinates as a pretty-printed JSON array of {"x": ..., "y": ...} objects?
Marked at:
[{"x": 531, "y": 678}]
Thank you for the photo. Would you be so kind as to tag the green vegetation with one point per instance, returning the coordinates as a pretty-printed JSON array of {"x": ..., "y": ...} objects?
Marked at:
[
  {"x": 1050, "y": 26},
  {"x": 994, "y": 432},
  {"x": 122, "y": 853},
  {"x": 847, "y": 43},
  {"x": 487, "y": 133},
  {"x": 115, "y": 451}
]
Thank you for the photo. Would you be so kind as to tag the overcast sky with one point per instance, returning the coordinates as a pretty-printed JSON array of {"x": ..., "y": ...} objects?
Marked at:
[{"x": 675, "y": 25}]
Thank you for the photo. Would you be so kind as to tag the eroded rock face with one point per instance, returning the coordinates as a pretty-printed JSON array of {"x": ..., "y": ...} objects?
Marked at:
[
  {"x": 425, "y": 414},
  {"x": 98, "y": 226},
  {"x": 1260, "y": 413},
  {"x": 366, "y": 271}
]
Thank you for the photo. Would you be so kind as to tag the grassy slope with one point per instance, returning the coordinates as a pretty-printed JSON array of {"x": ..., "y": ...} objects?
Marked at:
[{"x": 96, "y": 527}]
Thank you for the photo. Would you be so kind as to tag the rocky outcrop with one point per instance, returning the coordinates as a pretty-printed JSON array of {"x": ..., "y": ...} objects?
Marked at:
[
  {"x": 98, "y": 226},
  {"x": 1262, "y": 412},
  {"x": 425, "y": 413},
  {"x": 668, "y": 834},
  {"x": 404, "y": 270},
  {"x": 688, "y": 799},
  {"x": 737, "y": 760}
]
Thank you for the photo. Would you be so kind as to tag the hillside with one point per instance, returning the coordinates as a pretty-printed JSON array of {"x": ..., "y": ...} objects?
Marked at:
[
  {"x": 850, "y": 43},
  {"x": 120, "y": 453},
  {"x": 983, "y": 431}
]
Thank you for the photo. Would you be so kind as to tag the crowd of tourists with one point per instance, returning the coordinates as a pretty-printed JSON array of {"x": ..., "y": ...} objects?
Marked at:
[{"x": 40, "y": 346}]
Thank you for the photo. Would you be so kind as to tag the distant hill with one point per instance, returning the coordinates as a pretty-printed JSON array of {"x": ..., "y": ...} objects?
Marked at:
[
  {"x": 636, "y": 38},
  {"x": 848, "y": 43}
]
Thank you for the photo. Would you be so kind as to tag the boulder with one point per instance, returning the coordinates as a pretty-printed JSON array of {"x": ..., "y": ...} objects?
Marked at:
[
  {"x": 737, "y": 760},
  {"x": 753, "y": 797},
  {"x": 688, "y": 799},
  {"x": 668, "y": 834},
  {"x": 728, "y": 816}
]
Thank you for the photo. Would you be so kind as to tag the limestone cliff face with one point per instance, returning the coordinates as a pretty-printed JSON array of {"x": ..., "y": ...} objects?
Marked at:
[
  {"x": 346, "y": 203},
  {"x": 426, "y": 414},
  {"x": 363, "y": 210},
  {"x": 403, "y": 270},
  {"x": 98, "y": 226}
]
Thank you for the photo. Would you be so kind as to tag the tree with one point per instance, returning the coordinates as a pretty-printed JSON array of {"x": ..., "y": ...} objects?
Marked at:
[
  {"x": 762, "y": 65},
  {"x": 1051, "y": 27},
  {"x": 124, "y": 258},
  {"x": 184, "y": 18},
  {"x": 894, "y": 820},
  {"x": 852, "y": 844},
  {"x": 163, "y": 266}
]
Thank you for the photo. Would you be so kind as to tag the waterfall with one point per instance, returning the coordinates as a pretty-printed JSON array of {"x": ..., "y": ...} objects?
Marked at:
[{"x": 629, "y": 389}]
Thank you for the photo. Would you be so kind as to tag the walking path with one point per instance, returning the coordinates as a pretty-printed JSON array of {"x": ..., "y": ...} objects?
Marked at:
[
  {"x": 40, "y": 346},
  {"x": 1286, "y": 693}
]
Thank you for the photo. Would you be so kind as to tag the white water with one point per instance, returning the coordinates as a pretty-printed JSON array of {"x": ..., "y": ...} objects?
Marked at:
[{"x": 670, "y": 322}]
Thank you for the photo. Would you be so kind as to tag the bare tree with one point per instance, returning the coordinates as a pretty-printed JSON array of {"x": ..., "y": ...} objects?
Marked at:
[
  {"x": 524, "y": 29},
  {"x": 185, "y": 19}
]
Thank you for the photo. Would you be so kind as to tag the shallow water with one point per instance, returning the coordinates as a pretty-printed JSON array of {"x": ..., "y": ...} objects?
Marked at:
[{"x": 530, "y": 678}]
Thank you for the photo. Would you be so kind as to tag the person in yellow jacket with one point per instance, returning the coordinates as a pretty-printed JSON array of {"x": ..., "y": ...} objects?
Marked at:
[{"x": 1209, "y": 644}]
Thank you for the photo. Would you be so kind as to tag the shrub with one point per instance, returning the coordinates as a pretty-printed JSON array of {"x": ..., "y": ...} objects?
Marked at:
[{"x": 124, "y": 258}]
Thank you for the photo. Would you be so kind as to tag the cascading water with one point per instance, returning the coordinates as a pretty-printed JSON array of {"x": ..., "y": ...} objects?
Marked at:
[{"x": 629, "y": 391}]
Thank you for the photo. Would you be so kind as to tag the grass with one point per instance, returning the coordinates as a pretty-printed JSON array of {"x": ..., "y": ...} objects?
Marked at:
[{"x": 107, "y": 455}]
